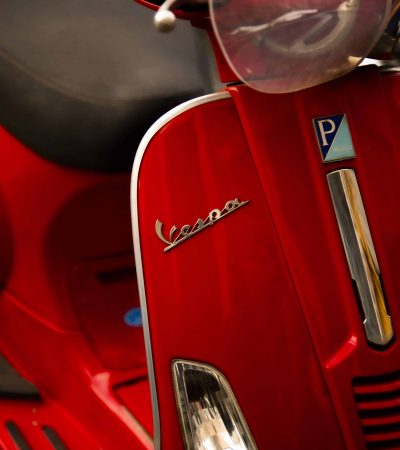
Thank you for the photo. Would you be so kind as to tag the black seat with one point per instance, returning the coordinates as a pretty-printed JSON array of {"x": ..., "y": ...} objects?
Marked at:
[{"x": 82, "y": 80}]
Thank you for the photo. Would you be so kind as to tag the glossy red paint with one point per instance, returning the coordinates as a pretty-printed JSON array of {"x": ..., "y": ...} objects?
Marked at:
[
  {"x": 226, "y": 74},
  {"x": 303, "y": 214},
  {"x": 265, "y": 294},
  {"x": 67, "y": 279}
]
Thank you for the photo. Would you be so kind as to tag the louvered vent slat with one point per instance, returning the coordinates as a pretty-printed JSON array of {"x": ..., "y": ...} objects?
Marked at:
[
  {"x": 378, "y": 388},
  {"x": 378, "y": 402},
  {"x": 376, "y": 421}
]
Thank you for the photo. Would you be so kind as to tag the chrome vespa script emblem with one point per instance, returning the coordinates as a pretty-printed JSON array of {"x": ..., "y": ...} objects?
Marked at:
[{"x": 177, "y": 236}]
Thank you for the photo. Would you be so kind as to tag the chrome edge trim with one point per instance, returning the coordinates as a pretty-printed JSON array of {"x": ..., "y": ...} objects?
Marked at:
[
  {"x": 360, "y": 253},
  {"x": 162, "y": 121}
]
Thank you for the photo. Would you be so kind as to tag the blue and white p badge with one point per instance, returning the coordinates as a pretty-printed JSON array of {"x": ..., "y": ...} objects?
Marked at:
[{"x": 334, "y": 138}]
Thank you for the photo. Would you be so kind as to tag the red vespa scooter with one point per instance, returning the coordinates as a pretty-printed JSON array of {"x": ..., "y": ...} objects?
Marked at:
[
  {"x": 320, "y": 376},
  {"x": 266, "y": 235}
]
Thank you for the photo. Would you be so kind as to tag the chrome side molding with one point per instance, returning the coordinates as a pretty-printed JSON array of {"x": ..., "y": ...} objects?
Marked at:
[
  {"x": 208, "y": 411},
  {"x": 360, "y": 253}
]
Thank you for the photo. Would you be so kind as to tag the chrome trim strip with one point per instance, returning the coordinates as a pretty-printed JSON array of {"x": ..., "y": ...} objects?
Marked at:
[
  {"x": 360, "y": 253},
  {"x": 170, "y": 115}
]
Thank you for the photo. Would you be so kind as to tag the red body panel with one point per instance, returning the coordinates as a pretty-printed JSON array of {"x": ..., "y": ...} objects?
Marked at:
[
  {"x": 265, "y": 294},
  {"x": 67, "y": 279}
]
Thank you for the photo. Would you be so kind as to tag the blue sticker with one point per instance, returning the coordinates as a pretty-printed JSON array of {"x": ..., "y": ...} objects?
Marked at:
[
  {"x": 334, "y": 138},
  {"x": 133, "y": 318}
]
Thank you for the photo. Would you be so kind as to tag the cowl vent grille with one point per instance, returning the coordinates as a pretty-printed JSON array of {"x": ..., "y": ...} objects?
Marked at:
[{"x": 378, "y": 402}]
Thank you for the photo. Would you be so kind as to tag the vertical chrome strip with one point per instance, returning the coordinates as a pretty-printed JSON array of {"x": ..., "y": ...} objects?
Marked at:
[
  {"x": 136, "y": 236},
  {"x": 360, "y": 253}
]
